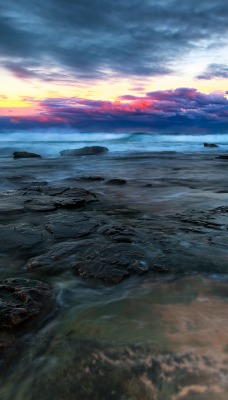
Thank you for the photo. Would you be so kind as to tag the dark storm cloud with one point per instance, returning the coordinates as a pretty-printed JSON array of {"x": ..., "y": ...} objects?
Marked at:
[
  {"x": 215, "y": 71},
  {"x": 179, "y": 110},
  {"x": 89, "y": 38}
]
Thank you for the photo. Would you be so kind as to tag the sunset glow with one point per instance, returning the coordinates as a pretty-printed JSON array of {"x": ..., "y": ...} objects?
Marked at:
[{"x": 91, "y": 69}]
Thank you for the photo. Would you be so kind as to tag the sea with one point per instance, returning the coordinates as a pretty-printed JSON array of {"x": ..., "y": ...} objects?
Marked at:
[
  {"x": 152, "y": 336},
  {"x": 49, "y": 143}
]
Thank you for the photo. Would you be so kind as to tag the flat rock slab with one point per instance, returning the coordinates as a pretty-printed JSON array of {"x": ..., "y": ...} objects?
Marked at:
[
  {"x": 19, "y": 236},
  {"x": 48, "y": 198},
  {"x": 70, "y": 226},
  {"x": 10, "y": 207}
]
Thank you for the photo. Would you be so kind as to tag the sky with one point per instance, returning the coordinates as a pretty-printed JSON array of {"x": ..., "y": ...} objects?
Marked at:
[{"x": 121, "y": 65}]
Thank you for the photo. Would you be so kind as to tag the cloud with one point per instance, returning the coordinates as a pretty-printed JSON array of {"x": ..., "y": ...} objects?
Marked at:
[
  {"x": 90, "y": 39},
  {"x": 214, "y": 71},
  {"x": 181, "y": 110}
]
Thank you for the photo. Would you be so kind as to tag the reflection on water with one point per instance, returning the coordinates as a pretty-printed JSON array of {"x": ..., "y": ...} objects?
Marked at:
[{"x": 181, "y": 316}]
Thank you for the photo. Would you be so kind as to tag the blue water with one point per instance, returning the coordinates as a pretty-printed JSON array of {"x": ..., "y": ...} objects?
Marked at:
[{"x": 49, "y": 144}]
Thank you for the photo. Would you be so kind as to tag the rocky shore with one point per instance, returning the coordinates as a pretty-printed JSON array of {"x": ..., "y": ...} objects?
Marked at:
[{"x": 105, "y": 223}]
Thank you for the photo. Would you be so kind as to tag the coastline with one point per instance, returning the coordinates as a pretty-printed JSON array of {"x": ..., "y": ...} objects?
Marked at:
[{"x": 163, "y": 227}]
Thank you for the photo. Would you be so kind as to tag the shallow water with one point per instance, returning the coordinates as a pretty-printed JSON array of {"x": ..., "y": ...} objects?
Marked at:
[{"x": 185, "y": 315}]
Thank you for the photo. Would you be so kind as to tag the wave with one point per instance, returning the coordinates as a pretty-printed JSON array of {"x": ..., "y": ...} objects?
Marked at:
[
  {"x": 62, "y": 136},
  {"x": 50, "y": 144}
]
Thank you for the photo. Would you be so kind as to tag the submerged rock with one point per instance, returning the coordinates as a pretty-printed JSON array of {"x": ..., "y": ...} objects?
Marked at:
[
  {"x": 134, "y": 371},
  {"x": 25, "y": 154},
  {"x": 84, "y": 151}
]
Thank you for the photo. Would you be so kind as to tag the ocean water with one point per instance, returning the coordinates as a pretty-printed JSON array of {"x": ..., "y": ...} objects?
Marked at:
[
  {"x": 164, "y": 314},
  {"x": 49, "y": 144}
]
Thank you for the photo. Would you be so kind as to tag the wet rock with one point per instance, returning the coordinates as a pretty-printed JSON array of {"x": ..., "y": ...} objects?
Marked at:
[
  {"x": 36, "y": 184},
  {"x": 70, "y": 226},
  {"x": 210, "y": 145},
  {"x": 223, "y": 157},
  {"x": 24, "y": 305},
  {"x": 52, "y": 191},
  {"x": 25, "y": 154},
  {"x": 10, "y": 207},
  {"x": 116, "y": 181},
  {"x": 19, "y": 236},
  {"x": 84, "y": 151},
  {"x": 21, "y": 300},
  {"x": 91, "y": 178},
  {"x": 43, "y": 204},
  {"x": 48, "y": 199},
  {"x": 112, "y": 263},
  {"x": 19, "y": 178},
  {"x": 116, "y": 230},
  {"x": 60, "y": 256},
  {"x": 74, "y": 198},
  {"x": 161, "y": 269}
]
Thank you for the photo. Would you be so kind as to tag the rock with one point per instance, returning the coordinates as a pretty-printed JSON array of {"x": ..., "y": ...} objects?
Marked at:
[
  {"x": 84, "y": 151},
  {"x": 60, "y": 256},
  {"x": 45, "y": 198},
  {"x": 70, "y": 226},
  {"x": 21, "y": 300},
  {"x": 74, "y": 198},
  {"x": 10, "y": 207},
  {"x": 24, "y": 305},
  {"x": 20, "y": 236},
  {"x": 210, "y": 145},
  {"x": 116, "y": 181},
  {"x": 112, "y": 263},
  {"x": 91, "y": 178},
  {"x": 43, "y": 204},
  {"x": 160, "y": 268},
  {"x": 223, "y": 157},
  {"x": 25, "y": 154}
]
